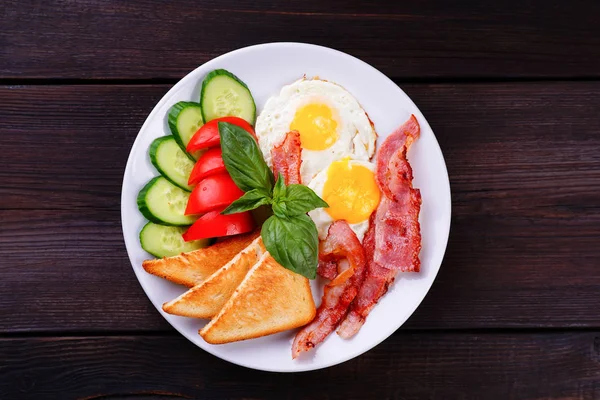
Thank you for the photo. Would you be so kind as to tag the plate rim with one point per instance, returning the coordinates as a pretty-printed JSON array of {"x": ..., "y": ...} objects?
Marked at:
[{"x": 128, "y": 167}]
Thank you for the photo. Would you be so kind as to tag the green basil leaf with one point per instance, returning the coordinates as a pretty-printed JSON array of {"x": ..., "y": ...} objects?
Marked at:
[
  {"x": 243, "y": 159},
  {"x": 279, "y": 193},
  {"x": 249, "y": 201},
  {"x": 280, "y": 188},
  {"x": 297, "y": 200},
  {"x": 293, "y": 242},
  {"x": 280, "y": 209}
]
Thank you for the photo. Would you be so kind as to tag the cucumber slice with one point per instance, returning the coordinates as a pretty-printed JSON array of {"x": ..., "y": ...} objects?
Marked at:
[
  {"x": 164, "y": 203},
  {"x": 224, "y": 94},
  {"x": 166, "y": 241},
  {"x": 171, "y": 161},
  {"x": 185, "y": 118}
]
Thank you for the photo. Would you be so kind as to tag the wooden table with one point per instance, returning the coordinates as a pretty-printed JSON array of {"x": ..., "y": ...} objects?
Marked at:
[{"x": 512, "y": 92}]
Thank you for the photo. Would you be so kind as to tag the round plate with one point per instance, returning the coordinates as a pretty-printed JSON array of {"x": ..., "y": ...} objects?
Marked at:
[{"x": 265, "y": 69}]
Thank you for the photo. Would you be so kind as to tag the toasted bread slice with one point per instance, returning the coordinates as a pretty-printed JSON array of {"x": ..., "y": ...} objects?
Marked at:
[
  {"x": 206, "y": 299},
  {"x": 270, "y": 299},
  {"x": 192, "y": 268}
]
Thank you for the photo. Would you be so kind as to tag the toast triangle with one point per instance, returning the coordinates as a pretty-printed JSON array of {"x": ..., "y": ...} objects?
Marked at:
[
  {"x": 270, "y": 299},
  {"x": 192, "y": 268},
  {"x": 206, "y": 299}
]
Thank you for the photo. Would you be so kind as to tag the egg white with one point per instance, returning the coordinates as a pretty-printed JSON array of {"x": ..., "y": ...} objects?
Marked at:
[
  {"x": 356, "y": 136},
  {"x": 321, "y": 218}
]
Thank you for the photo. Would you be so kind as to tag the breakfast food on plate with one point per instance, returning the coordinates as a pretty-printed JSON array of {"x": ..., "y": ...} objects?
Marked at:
[
  {"x": 184, "y": 120},
  {"x": 164, "y": 203},
  {"x": 208, "y": 135},
  {"x": 166, "y": 241},
  {"x": 170, "y": 161},
  {"x": 191, "y": 268},
  {"x": 287, "y": 157},
  {"x": 213, "y": 192},
  {"x": 194, "y": 186},
  {"x": 206, "y": 299},
  {"x": 397, "y": 229},
  {"x": 270, "y": 299},
  {"x": 328, "y": 208},
  {"x": 342, "y": 249},
  {"x": 393, "y": 241},
  {"x": 349, "y": 187},
  {"x": 330, "y": 121},
  {"x": 289, "y": 235},
  {"x": 224, "y": 95},
  {"x": 211, "y": 162}
]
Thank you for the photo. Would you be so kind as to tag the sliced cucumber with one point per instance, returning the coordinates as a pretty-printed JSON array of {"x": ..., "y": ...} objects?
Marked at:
[
  {"x": 164, "y": 203},
  {"x": 224, "y": 94},
  {"x": 172, "y": 162},
  {"x": 166, "y": 241},
  {"x": 185, "y": 118}
]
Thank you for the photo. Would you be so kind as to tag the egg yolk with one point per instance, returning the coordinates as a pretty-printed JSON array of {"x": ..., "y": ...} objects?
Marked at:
[
  {"x": 350, "y": 191},
  {"x": 316, "y": 125}
]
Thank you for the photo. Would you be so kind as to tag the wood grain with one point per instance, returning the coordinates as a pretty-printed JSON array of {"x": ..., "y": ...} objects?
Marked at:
[
  {"x": 405, "y": 366},
  {"x": 82, "y": 139},
  {"x": 150, "y": 39},
  {"x": 65, "y": 271},
  {"x": 524, "y": 165}
]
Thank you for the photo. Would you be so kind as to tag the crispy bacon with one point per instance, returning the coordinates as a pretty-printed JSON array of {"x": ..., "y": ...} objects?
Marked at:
[
  {"x": 393, "y": 241},
  {"x": 287, "y": 158},
  {"x": 397, "y": 229},
  {"x": 375, "y": 285},
  {"x": 341, "y": 247},
  {"x": 402, "y": 137},
  {"x": 327, "y": 269}
]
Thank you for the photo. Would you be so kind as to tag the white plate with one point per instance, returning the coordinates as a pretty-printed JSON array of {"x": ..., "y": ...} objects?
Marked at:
[{"x": 265, "y": 69}]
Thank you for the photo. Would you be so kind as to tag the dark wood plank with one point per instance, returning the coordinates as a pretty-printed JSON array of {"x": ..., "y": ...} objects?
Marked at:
[
  {"x": 77, "y": 155},
  {"x": 524, "y": 164},
  {"x": 406, "y": 366},
  {"x": 68, "y": 270},
  {"x": 95, "y": 39}
]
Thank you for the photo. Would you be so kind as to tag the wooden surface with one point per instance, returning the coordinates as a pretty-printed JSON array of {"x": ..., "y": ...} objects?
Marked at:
[
  {"x": 406, "y": 366},
  {"x": 512, "y": 94},
  {"x": 93, "y": 39}
]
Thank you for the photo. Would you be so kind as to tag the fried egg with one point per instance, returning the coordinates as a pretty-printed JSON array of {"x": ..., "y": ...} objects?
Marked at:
[
  {"x": 350, "y": 189},
  {"x": 331, "y": 123}
]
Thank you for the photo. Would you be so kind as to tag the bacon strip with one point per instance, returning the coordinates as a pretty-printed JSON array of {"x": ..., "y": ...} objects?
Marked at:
[
  {"x": 287, "y": 158},
  {"x": 393, "y": 241},
  {"x": 342, "y": 247},
  {"x": 327, "y": 269},
  {"x": 402, "y": 137},
  {"x": 397, "y": 229}
]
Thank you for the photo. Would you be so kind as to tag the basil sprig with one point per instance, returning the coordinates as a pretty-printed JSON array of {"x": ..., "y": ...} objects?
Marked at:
[
  {"x": 289, "y": 234},
  {"x": 243, "y": 159},
  {"x": 249, "y": 201},
  {"x": 293, "y": 242},
  {"x": 293, "y": 200}
]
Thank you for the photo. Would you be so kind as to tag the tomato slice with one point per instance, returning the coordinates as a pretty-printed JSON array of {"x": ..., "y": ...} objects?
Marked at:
[
  {"x": 213, "y": 192},
  {"x": 209, "y": 163},
  {"x": 213, "y": 224},
  {"x": 208, "y": 134}
]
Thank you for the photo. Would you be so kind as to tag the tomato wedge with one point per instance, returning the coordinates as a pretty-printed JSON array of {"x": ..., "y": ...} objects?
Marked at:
[
  {"x": 213, "y": 224},
  {"x": 213, "y": 192},
  {"x": 209, "y": 163},
  {"x": 208, "y": 134}
]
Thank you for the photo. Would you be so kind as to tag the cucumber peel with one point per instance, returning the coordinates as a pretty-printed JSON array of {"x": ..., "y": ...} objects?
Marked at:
[{"x": 223, "y": 95}]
